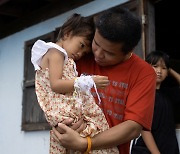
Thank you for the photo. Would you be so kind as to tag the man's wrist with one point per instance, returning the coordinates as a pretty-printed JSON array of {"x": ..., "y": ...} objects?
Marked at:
[
  {"x": 89, "y": 144},
  {"x": 84, "y": 144}
]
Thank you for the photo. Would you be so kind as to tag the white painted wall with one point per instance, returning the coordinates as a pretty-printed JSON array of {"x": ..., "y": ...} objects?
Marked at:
[{"x": 12, "y": 139}]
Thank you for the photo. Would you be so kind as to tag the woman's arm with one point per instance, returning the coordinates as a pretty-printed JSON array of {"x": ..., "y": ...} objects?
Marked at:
[
  {"x": 150, "y": 142},
  {"x": 175, "y": 75}
]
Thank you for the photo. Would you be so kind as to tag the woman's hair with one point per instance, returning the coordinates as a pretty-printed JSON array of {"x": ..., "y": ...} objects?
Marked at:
[
  {"x": 153, "y": 57},
  {"x": 121, "y": 26},
  {"x": 77, "y": 25}
]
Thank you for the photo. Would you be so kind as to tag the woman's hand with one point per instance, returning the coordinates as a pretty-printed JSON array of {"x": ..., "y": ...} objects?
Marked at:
[
  {"x": 69, "y": 138},
  {"x": 101, "y": 81}
]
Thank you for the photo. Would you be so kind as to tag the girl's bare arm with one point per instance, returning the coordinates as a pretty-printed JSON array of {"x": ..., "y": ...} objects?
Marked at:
[
  {"x": 175, "y": 75},
  {"x": 55, "y": 65},
  {"x": 150, "y": 142}
]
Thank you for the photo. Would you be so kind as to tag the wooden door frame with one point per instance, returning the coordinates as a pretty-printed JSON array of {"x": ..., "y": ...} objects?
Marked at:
[{"x": 145, "y": 10}]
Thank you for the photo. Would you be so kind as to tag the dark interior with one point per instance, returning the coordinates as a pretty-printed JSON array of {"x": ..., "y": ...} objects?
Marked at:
[
  {"x": 167, "y": 40},
  {"x": 167, "y": 28}
]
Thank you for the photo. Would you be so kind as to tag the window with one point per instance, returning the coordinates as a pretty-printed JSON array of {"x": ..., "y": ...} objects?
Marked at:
[{"x": 32, "y": 116}]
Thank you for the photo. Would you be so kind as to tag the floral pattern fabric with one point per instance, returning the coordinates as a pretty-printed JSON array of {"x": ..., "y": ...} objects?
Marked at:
[{"x": 58, "y": 107}]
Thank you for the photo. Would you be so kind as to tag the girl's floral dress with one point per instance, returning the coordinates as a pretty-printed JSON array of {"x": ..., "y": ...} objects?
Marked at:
[{"x": 58, "y": 107}]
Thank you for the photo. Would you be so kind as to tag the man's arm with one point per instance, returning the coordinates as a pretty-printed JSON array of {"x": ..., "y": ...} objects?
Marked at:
[
  {"x": 114, "y": 136},
  {"x": 117, "y": 135}
]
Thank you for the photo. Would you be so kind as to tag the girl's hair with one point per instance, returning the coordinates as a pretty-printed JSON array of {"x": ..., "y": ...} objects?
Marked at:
[
  {"x": 153, "y": 57},
  {"x": 77, "y": 25},
  {"x": 119, "y": 25}
]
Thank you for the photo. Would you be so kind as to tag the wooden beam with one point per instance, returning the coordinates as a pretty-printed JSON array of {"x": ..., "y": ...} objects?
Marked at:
[
  {"x": 13, "y": 12},
  {"x": 3, "y": 1},
  {"x": 43, "y": 13}
]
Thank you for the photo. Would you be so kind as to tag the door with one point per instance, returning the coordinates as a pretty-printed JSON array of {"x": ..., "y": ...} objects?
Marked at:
[{"x": 145, "y": 10}]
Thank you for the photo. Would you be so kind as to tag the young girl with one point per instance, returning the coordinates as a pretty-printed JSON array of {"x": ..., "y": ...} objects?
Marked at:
[
  {"x": 60, "y": 93},
  {"x": 162, "y": 138}
]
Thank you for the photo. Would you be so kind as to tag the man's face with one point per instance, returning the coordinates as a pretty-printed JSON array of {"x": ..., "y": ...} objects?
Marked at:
[{"x": 107, "y": 53}]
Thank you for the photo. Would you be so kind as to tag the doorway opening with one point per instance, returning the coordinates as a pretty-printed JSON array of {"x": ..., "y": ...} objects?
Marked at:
[{"x": 167, "y": 40}]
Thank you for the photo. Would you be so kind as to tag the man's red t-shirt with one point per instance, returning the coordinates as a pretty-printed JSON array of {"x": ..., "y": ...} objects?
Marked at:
[{"x": 130, "y": 95}]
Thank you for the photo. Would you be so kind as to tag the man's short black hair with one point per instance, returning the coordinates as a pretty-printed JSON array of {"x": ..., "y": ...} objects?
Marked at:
[{"x": 119, "y": 25}]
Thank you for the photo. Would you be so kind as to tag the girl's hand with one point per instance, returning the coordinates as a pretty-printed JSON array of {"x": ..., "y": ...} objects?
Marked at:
[
  {"x": 175, "y": 75},
  {"x": 101, "y": 81},
  {"x": 69, "y": 138}
]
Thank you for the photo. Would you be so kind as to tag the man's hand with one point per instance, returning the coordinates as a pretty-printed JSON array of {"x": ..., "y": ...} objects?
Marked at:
[
  {"x": 70, "y": 139},
  {"x": 78, "y": 126}
]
